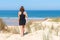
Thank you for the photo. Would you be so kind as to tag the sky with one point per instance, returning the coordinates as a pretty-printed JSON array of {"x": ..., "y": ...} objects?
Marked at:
[{"x": 30, "y": 4}]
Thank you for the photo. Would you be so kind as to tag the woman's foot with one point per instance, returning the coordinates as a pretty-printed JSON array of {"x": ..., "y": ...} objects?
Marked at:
[{"x": 21, "y": 35}]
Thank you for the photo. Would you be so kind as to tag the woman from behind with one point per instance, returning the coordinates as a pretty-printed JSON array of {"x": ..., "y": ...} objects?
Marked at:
[{"x": 22, "y": 17}]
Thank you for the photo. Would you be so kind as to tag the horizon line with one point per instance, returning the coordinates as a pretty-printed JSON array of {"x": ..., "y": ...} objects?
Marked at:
[{"x": 0, "y": 10}]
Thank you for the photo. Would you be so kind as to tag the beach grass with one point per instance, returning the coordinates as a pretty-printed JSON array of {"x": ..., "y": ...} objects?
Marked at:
[
  {"x": 31, "y": 26},
  {"x": 2, "y": 25},
  {"x": 28, "y": 25},
  {"x": 56, "y": 19},
  {"x": 36, "y": 29}
]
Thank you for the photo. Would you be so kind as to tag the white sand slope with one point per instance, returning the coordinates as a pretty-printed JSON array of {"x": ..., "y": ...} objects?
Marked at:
[
  {"x": 4, "y": 36},
  {"x": 14, "y": 37},
  {"x": 34, "y": 36},
  {"x": 50, "y": 31},
  {"x": 38, "y": 35},
  {"x": 31, "y": 36}
]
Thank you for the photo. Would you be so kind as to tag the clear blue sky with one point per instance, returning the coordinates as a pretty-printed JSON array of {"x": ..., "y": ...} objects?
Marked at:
[{"x": 30, "y": 4}]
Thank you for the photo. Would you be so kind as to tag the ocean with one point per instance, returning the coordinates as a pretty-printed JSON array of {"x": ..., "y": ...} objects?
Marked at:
[
  {"x": 31, "y": 13},
  {"x": 10, "y": 17}
]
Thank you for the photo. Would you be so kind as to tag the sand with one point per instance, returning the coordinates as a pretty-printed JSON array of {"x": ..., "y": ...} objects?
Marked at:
[{"x": 48, "y": 31}]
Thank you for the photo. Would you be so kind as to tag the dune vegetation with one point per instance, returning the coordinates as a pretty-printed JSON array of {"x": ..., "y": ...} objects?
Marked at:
[
  {"x": 3, "y": 26},
  {"x": 48, "y": 29},
  {"x": 31, "y": 26}
]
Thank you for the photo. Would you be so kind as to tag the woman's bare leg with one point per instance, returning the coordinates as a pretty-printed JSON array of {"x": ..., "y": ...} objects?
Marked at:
[{"x": 22, "y": 30}]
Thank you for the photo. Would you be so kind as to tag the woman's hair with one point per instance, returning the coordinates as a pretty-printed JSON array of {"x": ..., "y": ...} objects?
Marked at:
[{"x": 22, "y": 9}]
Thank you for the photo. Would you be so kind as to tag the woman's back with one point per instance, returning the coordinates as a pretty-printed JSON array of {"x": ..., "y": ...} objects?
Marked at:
[
  {"x": 22, "y": 19},
  {"x": 22, "y": 16}
]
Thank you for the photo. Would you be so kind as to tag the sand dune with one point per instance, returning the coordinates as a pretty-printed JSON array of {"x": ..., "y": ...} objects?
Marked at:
[{"x": 39, "y": 30}]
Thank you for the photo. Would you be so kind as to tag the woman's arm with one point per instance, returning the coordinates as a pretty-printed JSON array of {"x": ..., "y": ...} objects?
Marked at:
[{"x": 26, "y": 16}]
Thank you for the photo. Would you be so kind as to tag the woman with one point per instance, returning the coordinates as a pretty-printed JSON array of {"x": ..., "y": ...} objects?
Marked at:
[{"x": 22, "y": 17}]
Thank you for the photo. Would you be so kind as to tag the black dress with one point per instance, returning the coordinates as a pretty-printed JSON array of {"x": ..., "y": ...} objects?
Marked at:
[{"x": 22, "y": 20}]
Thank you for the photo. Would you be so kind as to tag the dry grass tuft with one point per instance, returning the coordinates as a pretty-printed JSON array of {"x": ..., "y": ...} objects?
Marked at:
[{"x": 3, "y": 26}]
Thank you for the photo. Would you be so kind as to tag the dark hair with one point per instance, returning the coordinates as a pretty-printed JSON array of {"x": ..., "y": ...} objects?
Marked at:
[{"x": 22, "y": 9}]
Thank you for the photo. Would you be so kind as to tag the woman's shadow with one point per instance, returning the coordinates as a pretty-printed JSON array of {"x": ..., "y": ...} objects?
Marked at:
[{"x": 25, "y": 33}]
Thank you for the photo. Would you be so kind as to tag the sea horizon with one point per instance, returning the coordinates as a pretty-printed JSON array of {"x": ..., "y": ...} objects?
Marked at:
[
  {"x": 31, "y": 13},
  {"x": 10, "y": 17}
]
